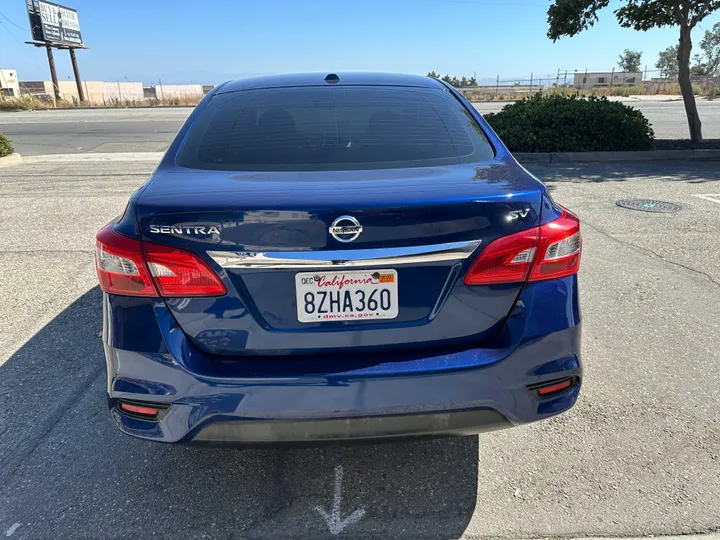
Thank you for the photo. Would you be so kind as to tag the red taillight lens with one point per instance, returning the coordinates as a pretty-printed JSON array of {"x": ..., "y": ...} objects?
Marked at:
[
  {"x": 132, "y": 268},
  {"x": 546, "y": 252},
  {"x": 506, "y": 260},
  {"x": 560, "y": 247},
  {"x": 181, "y": 273},
  {"x": 120, "y": 265}
]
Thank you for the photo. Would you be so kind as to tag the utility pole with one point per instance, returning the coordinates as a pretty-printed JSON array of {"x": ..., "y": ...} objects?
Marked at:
[
  {"x": 76, "y": 71},
  {"x": 53, "y": 73}
]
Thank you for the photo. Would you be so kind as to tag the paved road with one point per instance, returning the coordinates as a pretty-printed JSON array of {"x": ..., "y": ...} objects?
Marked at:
[
  {"x": 638, "y": 455},
  {"x": 143, "y": 130}
]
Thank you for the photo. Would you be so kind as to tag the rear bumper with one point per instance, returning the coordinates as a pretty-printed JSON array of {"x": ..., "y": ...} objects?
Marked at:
[
  {"x": 349, "y": 429},
  {"x": 467, "y": 392}
]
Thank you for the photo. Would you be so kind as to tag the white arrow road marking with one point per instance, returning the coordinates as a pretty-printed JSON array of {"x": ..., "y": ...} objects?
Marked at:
[
  {"x": 335, "y": 523},
  {"x": 12, "y": 530},
  {"x": 714, "y": 197}
]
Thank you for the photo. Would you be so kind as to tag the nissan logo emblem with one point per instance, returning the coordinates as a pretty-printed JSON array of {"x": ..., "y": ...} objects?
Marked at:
[{"x": 345, "y": 229}]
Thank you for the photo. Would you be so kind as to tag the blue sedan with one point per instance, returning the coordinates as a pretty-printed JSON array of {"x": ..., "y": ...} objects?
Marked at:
[{"x": 338, "y": 257}]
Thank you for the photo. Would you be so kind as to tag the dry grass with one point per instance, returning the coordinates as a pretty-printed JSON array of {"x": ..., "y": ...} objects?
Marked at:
[{"x": 31, "y": 103}]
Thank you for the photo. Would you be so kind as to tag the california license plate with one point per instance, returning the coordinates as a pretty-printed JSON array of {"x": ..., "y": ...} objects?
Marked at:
[{"x": 343, "y": 296}]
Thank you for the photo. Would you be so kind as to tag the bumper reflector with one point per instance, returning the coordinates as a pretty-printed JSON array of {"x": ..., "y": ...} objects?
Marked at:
[
  {"x": 555, "y": 388},
  {"x": 149, "y": 412}
]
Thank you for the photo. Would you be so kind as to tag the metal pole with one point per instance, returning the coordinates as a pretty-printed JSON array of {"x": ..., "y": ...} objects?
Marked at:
[
  {"x": 585, "y": 79},
  {"x": 497, "y": 85},
  {"x": 565, "y": 81},
  {"x": 53, "y": 73},
  {"x": 119, "y": 91},
  {"x": 557, "y": 80},
  {"x": 531, "y": 81},
  {"x": 78, "y": 82},
  {"x": 612, "y": 76}
]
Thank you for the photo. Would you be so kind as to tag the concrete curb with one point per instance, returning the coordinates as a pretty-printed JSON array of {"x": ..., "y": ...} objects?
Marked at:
[
  {"x": 605, "y": 157},
  {"x": 11, "y": 161},
  {"x": 105, "y": 108}
]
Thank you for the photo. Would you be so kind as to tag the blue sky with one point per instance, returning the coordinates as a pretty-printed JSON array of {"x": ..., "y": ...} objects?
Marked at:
[{"x": 212, "y": 40}]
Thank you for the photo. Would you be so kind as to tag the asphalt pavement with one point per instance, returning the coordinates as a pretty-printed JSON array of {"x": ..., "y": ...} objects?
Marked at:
[
  {"x": 639, "y": 455},
  {"x": 148, "y": 130}
]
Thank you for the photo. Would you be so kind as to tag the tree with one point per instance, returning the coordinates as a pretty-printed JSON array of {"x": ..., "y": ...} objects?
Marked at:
[
  {"x": 447, "y": 79},
  {"x": 667, "y": 63},
  {"x": 433, "y": 75},
  {"x": 463, "y": 82},
  {"x": 630, "y": 61},
  {"x": 472, "y": 81},
  {"x": 569, "y": 17},
  {"x": 710, "y": 47}
]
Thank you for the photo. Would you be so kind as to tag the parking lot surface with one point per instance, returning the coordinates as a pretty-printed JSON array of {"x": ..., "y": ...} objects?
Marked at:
[
  {"x": 148, "y": 130},
  {"x": 638, "y": 455}
]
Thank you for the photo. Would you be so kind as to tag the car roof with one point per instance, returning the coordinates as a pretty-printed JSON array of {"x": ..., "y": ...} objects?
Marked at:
[{"x": 318, "y": 79}]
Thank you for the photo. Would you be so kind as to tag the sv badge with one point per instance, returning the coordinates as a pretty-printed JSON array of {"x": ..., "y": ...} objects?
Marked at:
[{"x": 518, "y": 214}]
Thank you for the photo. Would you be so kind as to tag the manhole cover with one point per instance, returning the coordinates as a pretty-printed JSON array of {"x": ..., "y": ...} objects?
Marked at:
[{"x": 648, "y": 205}]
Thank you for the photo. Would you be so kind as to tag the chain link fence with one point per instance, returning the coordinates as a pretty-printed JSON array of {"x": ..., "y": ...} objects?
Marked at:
[{"x": 589, "y": 82}]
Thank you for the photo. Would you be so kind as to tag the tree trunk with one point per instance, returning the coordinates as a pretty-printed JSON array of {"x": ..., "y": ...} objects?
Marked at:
[{"x": 683, "y": 57}]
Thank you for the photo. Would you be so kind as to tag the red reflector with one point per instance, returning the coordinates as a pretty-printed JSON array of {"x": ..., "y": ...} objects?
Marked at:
[
  {"x": 137, "y": 409},
  {"x": 180, "y": 273},
  {"x": 120, "y": 265},
  {"x": 554, "y": 388},
  {"x": 546, "y": 252}
]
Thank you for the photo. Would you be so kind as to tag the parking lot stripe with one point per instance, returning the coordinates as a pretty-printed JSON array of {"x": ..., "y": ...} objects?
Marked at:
[{"x": 713, "y": 197}]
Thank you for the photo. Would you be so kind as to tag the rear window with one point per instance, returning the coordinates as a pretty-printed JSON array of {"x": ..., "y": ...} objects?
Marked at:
[{"x": 333, "y": 128}]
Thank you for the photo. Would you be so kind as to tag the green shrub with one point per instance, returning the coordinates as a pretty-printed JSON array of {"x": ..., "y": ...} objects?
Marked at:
[
  {"x": 557, "y": 123},
  {"x": 5, "y": 147}
]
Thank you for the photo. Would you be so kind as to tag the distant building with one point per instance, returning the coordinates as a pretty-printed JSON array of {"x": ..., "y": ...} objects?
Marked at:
[
  {"x": 9, "y": 83},
  {"x": 606, "y": 79}
]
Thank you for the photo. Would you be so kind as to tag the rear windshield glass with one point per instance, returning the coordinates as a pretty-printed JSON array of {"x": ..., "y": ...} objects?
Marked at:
[{"x": 333, "y": 128}]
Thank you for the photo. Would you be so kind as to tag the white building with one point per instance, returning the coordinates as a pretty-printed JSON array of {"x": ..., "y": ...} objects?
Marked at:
[
  {"x": 9, "y": 83},
  {"x": 606, "y": 79}
]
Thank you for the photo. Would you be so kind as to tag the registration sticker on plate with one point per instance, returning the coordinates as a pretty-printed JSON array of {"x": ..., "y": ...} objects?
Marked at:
[{"x": 343, "y": 296}]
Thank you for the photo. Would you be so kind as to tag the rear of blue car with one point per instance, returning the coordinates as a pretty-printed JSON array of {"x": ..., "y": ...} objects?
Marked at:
[{"x": 323, "y": 259}]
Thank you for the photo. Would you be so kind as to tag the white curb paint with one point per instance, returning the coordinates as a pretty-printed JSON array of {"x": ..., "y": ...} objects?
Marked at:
[
  {"x": 713, "y": 197},
  {"x": 96, "y": 156},
  {"x": 12, "y": 530},
  {"x": 335, "y": 523},
  {"x": 11, "y": 161}
]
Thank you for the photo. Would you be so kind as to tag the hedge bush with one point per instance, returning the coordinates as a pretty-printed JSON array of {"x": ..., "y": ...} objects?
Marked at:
[
  {"x": 558, "y": 123},
  {"x": 5, "y": 147}
]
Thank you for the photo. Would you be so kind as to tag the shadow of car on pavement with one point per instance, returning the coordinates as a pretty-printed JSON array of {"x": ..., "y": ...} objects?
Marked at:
[{"x": 66, "y": 471}]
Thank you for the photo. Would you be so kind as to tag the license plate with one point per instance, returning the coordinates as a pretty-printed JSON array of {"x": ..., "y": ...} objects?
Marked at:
[{"x": 343, "y": 296}]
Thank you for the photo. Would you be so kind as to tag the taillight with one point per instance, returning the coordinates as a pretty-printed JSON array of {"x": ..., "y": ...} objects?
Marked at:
[
  {"x": 546, "y": 252},
  {"x": 132, "y": 268},
  {"x": 181, "y": 273},
  {"x": 120, "y": 265},
  {"x": 560, "y": 247}
]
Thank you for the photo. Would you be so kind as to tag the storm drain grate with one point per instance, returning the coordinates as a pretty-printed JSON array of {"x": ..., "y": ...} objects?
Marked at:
[{"x": 648, "y": 205}]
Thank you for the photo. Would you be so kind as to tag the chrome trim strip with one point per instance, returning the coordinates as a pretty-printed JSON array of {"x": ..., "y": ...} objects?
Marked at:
[{"x": 345, "y": 258}]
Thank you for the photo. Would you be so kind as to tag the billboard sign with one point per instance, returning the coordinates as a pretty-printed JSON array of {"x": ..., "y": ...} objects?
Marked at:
[
  {"x": 59, "y": 24},
  {"x": 35, "y": 23}
]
